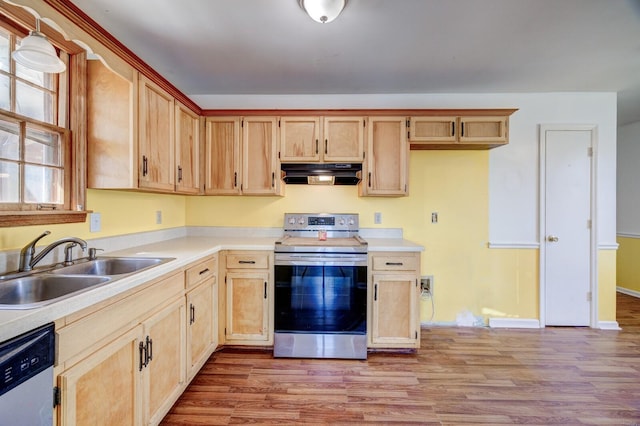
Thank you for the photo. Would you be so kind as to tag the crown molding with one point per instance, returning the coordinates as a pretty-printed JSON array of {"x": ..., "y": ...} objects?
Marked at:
[{"x": 91, "y": 27}]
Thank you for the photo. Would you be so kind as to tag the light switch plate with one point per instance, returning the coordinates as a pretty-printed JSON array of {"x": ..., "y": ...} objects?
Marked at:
[
  {"x": 377, "y": 218},
  {"x": 95, "y": 222}
]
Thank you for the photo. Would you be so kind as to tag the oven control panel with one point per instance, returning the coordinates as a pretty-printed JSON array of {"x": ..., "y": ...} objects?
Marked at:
[{"x": 321, "y": 221}]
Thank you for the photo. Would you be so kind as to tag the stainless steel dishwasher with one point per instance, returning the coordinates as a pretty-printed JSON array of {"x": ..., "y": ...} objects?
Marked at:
[{"x": 26, "y": 378}]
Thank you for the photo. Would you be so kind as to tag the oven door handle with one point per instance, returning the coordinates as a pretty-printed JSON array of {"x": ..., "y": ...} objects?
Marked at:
[{"x": 314, "y": 260}]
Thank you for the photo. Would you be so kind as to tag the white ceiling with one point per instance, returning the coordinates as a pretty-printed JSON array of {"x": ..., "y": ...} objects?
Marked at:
[{"x": 271, "y": 47}]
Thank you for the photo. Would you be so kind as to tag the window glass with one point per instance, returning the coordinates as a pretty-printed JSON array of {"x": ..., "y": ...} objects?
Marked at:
[
  {"x": 9, "y": 179},
  {"x": 4, "y": 50},
  {"x": 9, "y": 140},
  {"x": 35, "y": 77},
  {"x": 42, "y": 147},
  {"x": 33, "y": 102},
  {"x": 43, "y": 185},
  {"x": 5, "y": 92}
]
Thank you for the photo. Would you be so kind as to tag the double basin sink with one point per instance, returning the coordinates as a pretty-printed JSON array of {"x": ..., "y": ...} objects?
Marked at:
[{"x": 42, "y": 288}]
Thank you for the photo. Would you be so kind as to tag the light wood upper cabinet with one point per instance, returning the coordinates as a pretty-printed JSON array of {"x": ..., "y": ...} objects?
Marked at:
[
  {"x": 459, "y": 132},
  {"x": 300, "y": 139},
  {"x": 433, "y": 129},
  {"x": 241, "y": 156},
  {"x": 260, "y": 166},
  {"x": 222, "y": 156},
  {"x": 483, "y": 129},
  {"x": 386, "y": 169},
  {"x": 138, "y": 136},
  {"x": 187, "y": 146},
  {"x": 112, "y": 129},
  {"x": 344, "y": 139},
  {"x": 322, "y": 139},
  {"x": 156, "y": 137}
]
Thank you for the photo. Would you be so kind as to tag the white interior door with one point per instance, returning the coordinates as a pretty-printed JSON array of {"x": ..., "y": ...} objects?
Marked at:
[{"x": 567, "y": 246}]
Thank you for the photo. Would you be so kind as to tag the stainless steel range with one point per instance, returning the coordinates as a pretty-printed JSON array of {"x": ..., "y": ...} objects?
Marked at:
[{"x": 321, "y": 287}]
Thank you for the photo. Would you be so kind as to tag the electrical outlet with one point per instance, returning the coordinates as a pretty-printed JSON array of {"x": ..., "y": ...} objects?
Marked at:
[
  {"x": 377, "y": 218},
  {"x": 426, "y": 284},
  {"x": 158, "y": 217},
  {"x": 434, "y": 217}
]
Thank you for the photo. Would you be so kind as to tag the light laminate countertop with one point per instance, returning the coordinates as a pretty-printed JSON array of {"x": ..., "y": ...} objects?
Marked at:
[{"x": 185, "y": 251}]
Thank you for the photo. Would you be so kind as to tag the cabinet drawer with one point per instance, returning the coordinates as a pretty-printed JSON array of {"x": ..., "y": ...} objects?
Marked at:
[
  {"x": 395, "y": 263},
  {"x": 201, "y": 272},
  {"x": 247, "y": 260}
]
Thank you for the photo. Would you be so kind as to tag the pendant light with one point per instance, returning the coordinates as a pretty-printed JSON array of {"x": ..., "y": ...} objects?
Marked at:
[
  {"x": 37, "y": 53},
  {"x": 323, "y": 11}
]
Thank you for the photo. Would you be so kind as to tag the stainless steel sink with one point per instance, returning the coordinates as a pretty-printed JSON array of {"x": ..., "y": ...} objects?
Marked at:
[
  {"x": 112, "y": 265},
  {"x": 41, "y": 289}
]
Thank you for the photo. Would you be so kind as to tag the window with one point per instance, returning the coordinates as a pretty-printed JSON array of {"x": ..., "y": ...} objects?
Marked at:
[
  {"x": 32, "y": 165},
  {"x": 35, "y": 151}
]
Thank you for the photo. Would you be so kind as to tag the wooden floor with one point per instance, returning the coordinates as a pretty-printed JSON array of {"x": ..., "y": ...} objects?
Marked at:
[{"x": 459, "y": 376}]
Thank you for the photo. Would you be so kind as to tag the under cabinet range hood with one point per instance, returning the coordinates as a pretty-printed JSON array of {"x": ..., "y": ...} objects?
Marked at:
[{"x": 322, "y": 174}]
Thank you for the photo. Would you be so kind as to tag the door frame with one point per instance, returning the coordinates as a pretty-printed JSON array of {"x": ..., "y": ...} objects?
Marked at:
[{"x": 593, "y": 239}]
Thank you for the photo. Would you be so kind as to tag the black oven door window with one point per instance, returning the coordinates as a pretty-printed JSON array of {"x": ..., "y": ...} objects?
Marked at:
[{"x": 321, "y": 299}]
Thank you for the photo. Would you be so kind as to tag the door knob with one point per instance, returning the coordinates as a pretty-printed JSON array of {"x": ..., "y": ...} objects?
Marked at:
[{"x": 552, "y": 239}]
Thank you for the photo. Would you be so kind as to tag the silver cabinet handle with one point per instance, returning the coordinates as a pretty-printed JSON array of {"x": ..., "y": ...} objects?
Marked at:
[{"x": 552, "y": 239}]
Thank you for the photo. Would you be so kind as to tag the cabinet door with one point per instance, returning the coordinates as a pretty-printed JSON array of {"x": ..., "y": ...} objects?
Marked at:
[
  {"x": 222, "y": 151},
  {"x": 260, "y": 167},
  {"x": 248, "y": 308},
  {"x": 395, "y": 315},
  {"x": 483, "y": 130},
  {"x": 433, "y": 129},
  {"x": 201, "y": 326},
  {"x": 386, "y": 170},
  {"x": 112, "y": 128},
  {"x": 156, "y": 140},
  {"x": 164, "y": 376},
  {"x": 104, "y": 389},
  {"x": 299, "y": 139},
  {"x": 187, "y": 150},
  {"x": 343, "y": 139}
]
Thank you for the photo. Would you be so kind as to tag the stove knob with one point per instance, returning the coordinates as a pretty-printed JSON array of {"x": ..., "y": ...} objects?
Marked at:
[
  {"x": 301, "y": 221},
  {"x": 341, "y": 222},
  {"x": 352, "y": 222},
  {"x": 292, "y": 221}
]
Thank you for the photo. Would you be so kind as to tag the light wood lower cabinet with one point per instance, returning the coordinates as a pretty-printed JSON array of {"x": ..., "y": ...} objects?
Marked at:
[
  {"x": 394, "y": 311},
  {"x": 201, "y": 326},
  {"x": 164, "y": 373},
  {"x": 105, "y": 388},
  {"x": 134, "y": 379},
  {"x": 248, "y": 298}
]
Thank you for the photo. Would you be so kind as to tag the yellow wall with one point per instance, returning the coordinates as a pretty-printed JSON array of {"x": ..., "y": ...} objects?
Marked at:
[
  {"x": 121, "y": 213},
  {"x": 467, "y": 275},
  {"x": 628, "y": 263},
  {"x": 607, "y": 285}
]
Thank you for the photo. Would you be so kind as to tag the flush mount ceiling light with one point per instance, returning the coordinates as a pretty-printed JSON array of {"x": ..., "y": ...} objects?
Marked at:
[
  {"x": 36, "y": 53},
  {"x": 323, "y": 11}
]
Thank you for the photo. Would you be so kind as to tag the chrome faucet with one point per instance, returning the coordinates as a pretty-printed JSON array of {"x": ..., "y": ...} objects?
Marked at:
[{"x": 28, "y": 259}]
